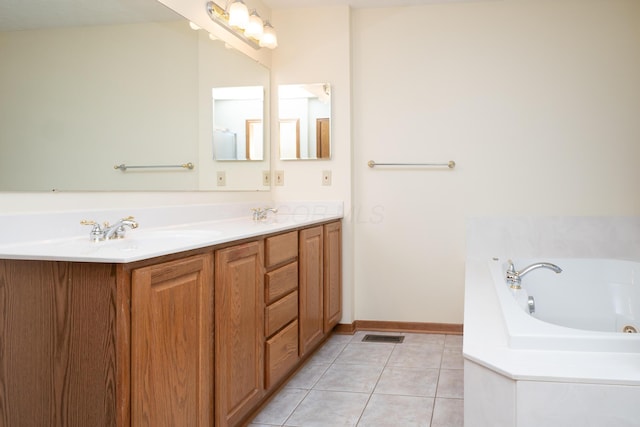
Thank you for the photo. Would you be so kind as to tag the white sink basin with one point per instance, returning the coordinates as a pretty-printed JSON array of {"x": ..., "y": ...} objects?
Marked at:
[
  {"x": 140, "y": 240},
  {"x": 147, "y": 239}
]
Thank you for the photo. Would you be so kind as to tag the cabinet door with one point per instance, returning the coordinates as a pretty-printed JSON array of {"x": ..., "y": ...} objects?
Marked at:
[
  {"x": 332, "y": 275},
  {"x": 311, "y": 288},
  {"x": 239, "y": 331},
  {"x": 172, "y": 344}
]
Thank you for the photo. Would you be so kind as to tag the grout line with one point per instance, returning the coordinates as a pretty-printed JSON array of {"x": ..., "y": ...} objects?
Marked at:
[
  {"x": 294, "y": 409},
  {"x": 376, "y": 384},
  {"x": 385, "y": 366}
]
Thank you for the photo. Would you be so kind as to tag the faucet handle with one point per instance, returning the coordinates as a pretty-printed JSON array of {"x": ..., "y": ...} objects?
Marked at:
[
  {"x": 512, "y": 276},
  {"x": 96, "y": 232},
  {"x": 257, "y": 213}
]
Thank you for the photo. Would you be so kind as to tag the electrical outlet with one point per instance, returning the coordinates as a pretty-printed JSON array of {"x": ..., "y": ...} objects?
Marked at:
[
  {"x": 326, "y": 177},
  {"x": 266, "y": 178},
  {"x": 221, "y": 179},
  {"x": 279, "y": 177}
]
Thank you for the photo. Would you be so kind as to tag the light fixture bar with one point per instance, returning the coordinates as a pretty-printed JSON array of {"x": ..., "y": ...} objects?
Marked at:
[{"x": 217, "y": 14}]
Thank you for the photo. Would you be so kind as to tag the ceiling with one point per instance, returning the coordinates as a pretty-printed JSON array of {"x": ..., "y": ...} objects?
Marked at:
[{"x": 288, "y": 4}]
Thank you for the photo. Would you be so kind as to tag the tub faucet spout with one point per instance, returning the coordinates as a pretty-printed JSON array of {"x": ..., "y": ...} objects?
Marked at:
[{"x": 514, "y": 277}]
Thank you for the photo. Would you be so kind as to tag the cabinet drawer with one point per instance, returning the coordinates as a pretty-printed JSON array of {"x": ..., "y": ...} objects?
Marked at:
[
  {"x": 280, "y": 313},
  {"x": 281, "y": 354},
  {"x": 281, "y": 281},
  {"x": 281, "y": 248}
]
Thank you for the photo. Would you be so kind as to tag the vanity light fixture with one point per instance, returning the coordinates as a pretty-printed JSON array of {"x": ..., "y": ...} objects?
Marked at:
[
  {"x": 253, "y": 32},
  {"x": 269, "y": 38},
  {"x": 255, "y": 26},
  {"x": 238, "y": 14}
]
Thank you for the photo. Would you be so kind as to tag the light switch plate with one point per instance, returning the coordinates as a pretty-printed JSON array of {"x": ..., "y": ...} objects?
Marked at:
[
  {"x": 221, "y": 178},
  {"x": 279, "y": 177},
  {"x": 326, "y": 177},
  {"x": 266, "y": 178}
]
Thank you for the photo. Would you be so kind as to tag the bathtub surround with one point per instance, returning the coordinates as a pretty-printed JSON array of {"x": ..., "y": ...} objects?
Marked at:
[{"x": 532, "y": 387}]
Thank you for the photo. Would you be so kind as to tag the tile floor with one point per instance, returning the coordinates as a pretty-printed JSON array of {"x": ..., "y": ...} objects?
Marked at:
[{"x": 353, "y": 383}]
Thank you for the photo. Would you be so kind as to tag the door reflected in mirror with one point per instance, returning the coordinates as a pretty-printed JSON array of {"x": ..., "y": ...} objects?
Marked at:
[
  {"x": 238, "y": 133},
  {"x": 304, "y": 112}
]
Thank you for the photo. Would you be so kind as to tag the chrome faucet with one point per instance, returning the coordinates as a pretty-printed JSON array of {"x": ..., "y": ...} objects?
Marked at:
[
  {"x": 107, "y": 232},
  {"x": 260, "y": 214},
  {"x": 514, "y": 277}
]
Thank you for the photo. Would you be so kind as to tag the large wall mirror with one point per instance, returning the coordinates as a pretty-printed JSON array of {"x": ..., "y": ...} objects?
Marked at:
[
  {"x": 304, "y": 112},
  {"x": 89, "y": 86}
]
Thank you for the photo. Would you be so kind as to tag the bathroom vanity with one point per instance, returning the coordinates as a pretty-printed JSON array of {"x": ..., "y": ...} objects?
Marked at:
[{"x": 199, "y": 337}]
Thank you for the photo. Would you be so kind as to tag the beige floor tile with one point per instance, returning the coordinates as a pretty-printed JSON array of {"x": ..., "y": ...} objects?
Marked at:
[
  {"x": 416, "y": 356},
  {"x": 340, "y": 338},
  {"x": 353, "y": 378},
  {"x": 432, "y": 339},
  {"x": 406, "y": 411},
  {"x": 448, "y": 413},
  {"x": 328, "y": 352},
  {"x": 280, "y": 407},
  {"x": 451, "y": 383},
  {"x": 408, "y": 381},
  {"x": 365, "y": 354},
  {"x": 452, "y": 358},
  {"x": 408, "y": 384},
  {"x": 308, "y": 376},
  {"x": 453, "y": 341},
  {"x": 328, "y": 409}
]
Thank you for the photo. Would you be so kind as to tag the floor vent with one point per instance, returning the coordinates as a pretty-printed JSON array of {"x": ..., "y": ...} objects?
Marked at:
[{"x": 395, "y": 339}]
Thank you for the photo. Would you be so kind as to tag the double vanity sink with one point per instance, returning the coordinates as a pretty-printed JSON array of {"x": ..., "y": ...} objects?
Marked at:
[{"x": 166, "y": 236}]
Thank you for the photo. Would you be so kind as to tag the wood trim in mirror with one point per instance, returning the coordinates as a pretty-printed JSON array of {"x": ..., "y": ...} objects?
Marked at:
[
  {"x": 255, "y": 136},
  {"x": 289, "y": 138}
]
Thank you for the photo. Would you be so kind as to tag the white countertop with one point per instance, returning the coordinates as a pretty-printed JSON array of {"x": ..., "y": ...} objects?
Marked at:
[{"x": 164, "y": 236}]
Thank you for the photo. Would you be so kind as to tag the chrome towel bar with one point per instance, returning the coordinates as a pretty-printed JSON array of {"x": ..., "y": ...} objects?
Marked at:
[
  {"x": 451, "y": 164},
  {"x": 124, "y": 167}
]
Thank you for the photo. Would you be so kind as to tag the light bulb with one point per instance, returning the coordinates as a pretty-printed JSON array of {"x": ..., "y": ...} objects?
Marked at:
[
  {"x": 238, "y": 14},
  {"x": 254, "y": 26},
  {"x": 269, "y": 38}
]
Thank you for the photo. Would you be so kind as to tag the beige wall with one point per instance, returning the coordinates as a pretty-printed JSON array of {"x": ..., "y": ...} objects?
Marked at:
[
  {"x": 314, "y": 48},
  {"x": 538, "y": 102}
]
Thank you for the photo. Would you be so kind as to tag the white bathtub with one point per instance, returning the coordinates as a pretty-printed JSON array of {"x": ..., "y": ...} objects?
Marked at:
[
  {"x": 584, "y": 308},
  {"x": 566, "y": 365}
]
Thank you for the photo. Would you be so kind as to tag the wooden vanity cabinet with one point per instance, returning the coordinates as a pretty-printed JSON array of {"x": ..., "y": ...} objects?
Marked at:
[
  {"x": 332, "y": 275},
  {"x": 172, "y": 343},
  {"x": 58, "y": 355},
  {"x": 281, "y": 311},
  {"x": 194, "y": 339},
  {"x": 311, "y": 288},
  {"x": 320, "y": 283},
  {"x": 239, "y": 331}
]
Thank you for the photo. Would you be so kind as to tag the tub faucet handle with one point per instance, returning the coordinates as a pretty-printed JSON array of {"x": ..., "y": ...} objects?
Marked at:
[{"x": 513, "y": 278}]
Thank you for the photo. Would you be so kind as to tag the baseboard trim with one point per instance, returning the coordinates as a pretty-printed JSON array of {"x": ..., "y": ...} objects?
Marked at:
[{"x": 385, "y": 326}]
